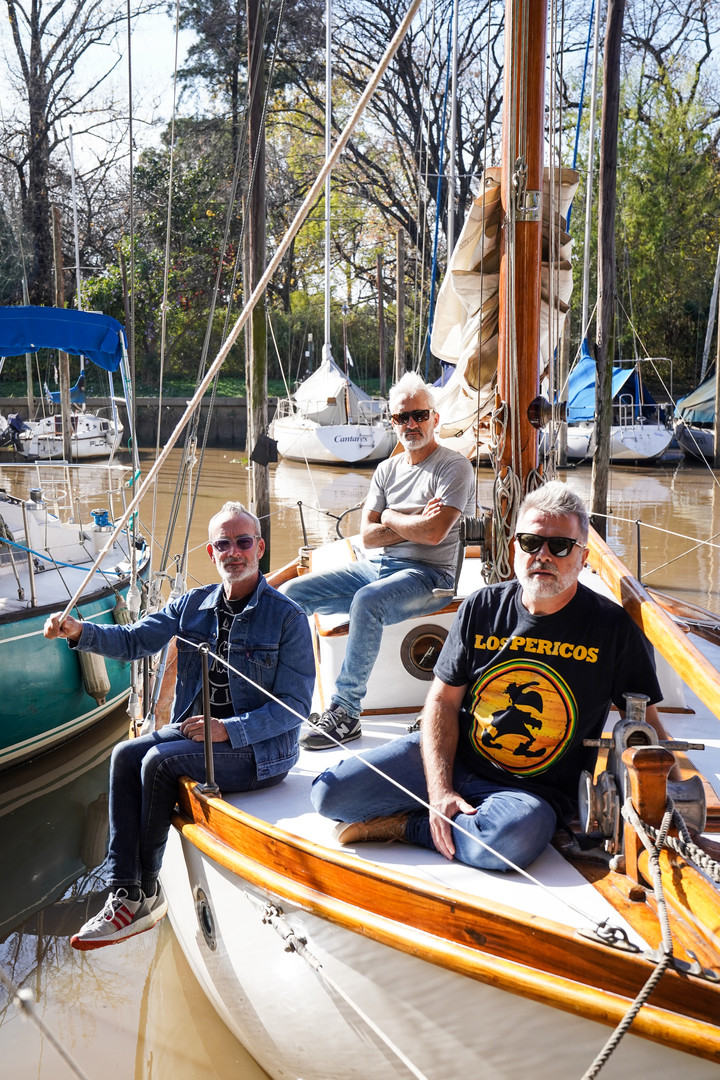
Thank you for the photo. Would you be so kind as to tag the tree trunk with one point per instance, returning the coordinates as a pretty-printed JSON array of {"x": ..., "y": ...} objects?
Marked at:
[
  {"x": 63, "y": 358},
  {"x": 381, "y": 325},
  {"x": 606, "y": 265},
  {"x": 400, "y": 306}
]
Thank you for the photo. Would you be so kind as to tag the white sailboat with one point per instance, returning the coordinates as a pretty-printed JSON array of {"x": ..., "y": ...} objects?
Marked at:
[
  {"x": 639, "y": 431},
  {"x": 694, "y": 422},
  {"x": 329, "y": 419},
  {"x": 390, "y": 961}
]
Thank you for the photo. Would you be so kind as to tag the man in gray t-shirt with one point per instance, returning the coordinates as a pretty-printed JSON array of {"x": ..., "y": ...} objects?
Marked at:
[{"x": 410, "y": 528}]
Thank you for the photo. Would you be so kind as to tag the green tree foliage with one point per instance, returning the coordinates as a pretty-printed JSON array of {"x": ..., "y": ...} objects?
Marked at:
[{"x": 668, "y": 226}]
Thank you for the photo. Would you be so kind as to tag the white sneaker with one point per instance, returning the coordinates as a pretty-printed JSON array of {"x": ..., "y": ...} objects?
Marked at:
[{"x": 119, "y": 919}]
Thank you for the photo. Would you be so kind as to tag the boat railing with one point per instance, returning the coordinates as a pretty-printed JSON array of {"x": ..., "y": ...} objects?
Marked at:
[
  {"x": 369, "y": 412},
  {"x": 366, "y": 412},
  {"x": 628, "y": 413},
  {"x": 68, "y": 491}
]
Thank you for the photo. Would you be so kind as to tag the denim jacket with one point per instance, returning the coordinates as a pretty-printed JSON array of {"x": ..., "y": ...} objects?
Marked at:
[{"x": 269, "y": 643}]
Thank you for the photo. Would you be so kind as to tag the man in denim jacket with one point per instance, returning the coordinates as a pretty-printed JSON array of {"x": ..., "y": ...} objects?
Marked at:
[{"x": 261, "y": 681}]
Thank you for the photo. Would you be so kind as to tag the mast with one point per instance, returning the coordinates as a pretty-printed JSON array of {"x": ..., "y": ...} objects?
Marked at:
[
  {"x": 521, "y": 248},
  {"x": 606, "y": 264},
  {"x": 327, "y": 345},
  {"x": 590, "y": 171},
  {"x": 452, "y": 168}
]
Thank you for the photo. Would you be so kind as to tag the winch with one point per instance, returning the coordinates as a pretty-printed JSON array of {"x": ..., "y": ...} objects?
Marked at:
[{"x": 600, "y": 799}]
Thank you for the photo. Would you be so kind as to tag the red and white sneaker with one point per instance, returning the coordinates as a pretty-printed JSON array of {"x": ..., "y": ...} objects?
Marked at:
[{"x": 120, "y": 919}]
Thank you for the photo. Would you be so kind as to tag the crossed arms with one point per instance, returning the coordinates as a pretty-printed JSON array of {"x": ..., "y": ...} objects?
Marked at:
[{"x": 382, "y": 528}]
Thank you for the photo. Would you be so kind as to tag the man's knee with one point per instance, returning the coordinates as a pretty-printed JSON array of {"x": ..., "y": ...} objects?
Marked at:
[
  {"x": 295, "y": 589},
  {"x": 325, "y": 793},
  {"x": 504, "y": 841}
]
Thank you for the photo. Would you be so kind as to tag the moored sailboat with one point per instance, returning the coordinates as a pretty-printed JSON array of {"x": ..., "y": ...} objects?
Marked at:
[
  {"x": 27, "y": 329},
  {"x": 395, "y": 962},
  {"x": 54, "y": 521}
]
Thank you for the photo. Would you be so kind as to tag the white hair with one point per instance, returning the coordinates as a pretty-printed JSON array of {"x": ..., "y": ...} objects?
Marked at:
[
  {"x": 411, "y": 385},
  {"x": 234, "y": 508}
]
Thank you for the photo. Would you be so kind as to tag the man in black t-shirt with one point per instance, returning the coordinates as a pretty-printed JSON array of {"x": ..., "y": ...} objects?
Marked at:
[{"x": 529, "y": 670}]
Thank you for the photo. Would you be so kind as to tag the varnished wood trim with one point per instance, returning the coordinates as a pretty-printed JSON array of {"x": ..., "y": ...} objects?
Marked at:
[
  {"x": 659, "y": 628},
  {"x": 679, "y": 1032},
  {"x": 389, "y": 906}
]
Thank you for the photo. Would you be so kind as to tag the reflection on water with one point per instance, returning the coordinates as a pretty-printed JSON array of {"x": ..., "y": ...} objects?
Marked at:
[
  {"x": 129, "y": 1010},
  {"x": 135, "y": 1010}
]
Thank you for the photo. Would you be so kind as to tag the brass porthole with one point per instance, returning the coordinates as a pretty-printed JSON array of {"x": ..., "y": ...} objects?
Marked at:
[
  {"x": 205, "y": 918},
  {"x": 421, "y": 648}
]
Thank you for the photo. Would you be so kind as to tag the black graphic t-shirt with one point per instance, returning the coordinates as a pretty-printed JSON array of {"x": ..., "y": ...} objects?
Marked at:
[{"x": 540, "y": 684}]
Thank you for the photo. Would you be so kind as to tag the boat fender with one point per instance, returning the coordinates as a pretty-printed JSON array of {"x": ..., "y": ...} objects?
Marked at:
[
  {"x": 94, "y": 675},
  {"x": 134, "y": 599},
  {"x": 121, "y": 612},
  {"x": 93, "y": 845}
]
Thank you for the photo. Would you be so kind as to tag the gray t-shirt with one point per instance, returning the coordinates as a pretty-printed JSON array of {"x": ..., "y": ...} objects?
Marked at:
[{"x": 397, "y": 485}]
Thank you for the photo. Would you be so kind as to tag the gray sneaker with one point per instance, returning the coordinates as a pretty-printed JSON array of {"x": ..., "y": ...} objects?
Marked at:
[
  {"x": 334, "y": 726},
  {"x": 120, "y": 919}
]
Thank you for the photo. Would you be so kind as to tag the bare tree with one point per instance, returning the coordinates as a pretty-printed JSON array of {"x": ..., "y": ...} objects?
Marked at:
[
  {"x": 58, "y": 80},
  {"x": 397, "y": 162}
]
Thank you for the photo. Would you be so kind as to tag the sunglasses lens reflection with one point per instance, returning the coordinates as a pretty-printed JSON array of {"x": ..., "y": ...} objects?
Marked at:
[
  {"x": 558, "y": 546},
  {"x": 418, "y": 415},
  {"x": 224, "y": 544}
]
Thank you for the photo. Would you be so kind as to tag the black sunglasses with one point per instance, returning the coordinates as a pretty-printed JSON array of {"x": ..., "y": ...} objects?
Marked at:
[
  {"x": 418, "y": 415},
  {"x": 225, "y": 542},
  {"x": 559, "y": 546}
]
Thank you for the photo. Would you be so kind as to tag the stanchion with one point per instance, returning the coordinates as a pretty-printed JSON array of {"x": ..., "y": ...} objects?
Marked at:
[{"x": 209, "y": 787}]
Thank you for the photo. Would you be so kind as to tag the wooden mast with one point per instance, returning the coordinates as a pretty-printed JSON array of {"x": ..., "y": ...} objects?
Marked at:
[{"x": 519, "y": 328}]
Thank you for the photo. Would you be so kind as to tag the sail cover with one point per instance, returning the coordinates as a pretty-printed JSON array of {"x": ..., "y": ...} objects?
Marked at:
[
  {"x": 698, "y": 407},
  {"x": 328, "y": 396},
  {"x": 465, "y": 326},
  {"x": 26, "y": 329},
  {"x": 581, "y": 387}
]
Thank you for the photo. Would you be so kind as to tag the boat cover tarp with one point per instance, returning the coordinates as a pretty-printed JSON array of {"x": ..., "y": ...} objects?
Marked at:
[
  {"x": 26, "y": 329},
  {"x": 698, "y": 407},
  {"x": 77, "y": 392},
  {"x": 324, "y": 396},
  {"x": 581, "y": 387}
]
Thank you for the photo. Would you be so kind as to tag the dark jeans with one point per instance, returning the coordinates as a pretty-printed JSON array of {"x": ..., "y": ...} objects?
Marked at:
[
  {"x": 143, "y": 791},
  {"x": 513, "y": 823}
]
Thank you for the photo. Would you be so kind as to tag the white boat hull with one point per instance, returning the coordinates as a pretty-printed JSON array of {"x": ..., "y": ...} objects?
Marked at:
[
  {"x": 353, "y": 1007},
  {"x": 300, "y": 439},
  {"x": 631, "y": 442},
  {"x": 697, "y": 442},
  {"x": 92, "y": 437}
]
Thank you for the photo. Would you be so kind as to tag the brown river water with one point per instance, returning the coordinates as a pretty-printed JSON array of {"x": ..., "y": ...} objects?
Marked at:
[{"x": 134, "y": 1010}]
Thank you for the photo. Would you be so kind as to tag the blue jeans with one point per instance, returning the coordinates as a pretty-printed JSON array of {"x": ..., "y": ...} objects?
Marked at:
[
  {"x": 144, "y": 777},
  {"x": 376, "y": 592},
  {"x": 513, "y": 823}
]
